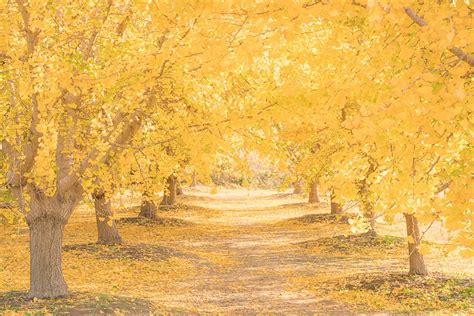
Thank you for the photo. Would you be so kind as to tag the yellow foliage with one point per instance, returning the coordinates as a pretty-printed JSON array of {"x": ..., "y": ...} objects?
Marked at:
[{"x": 373, "y": 99}]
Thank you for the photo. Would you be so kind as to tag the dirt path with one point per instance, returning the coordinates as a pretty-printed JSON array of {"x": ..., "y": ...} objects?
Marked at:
[
  {"x": 256, "y": 264},
  {"x": 256, "y": 257}
]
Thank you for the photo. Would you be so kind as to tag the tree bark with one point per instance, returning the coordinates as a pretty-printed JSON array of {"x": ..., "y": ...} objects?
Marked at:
[
  {"x": 313, "y": 192},
  {"x": 46, "y": 276},
  {"x": 365, "y": 199},
  {"x": 148, "y": 209},
  {"x": 46, "y": 221},
  {"x": 179, "y": 189},
  {"x": 336, "y": 208},
  {"x": 297, "y": 188},
  {"x": 417, "y": 263},
  {"x": 370, "y": 217},
  {"x": 169, "y": 195},
  {"x": 106, "y": 227}
]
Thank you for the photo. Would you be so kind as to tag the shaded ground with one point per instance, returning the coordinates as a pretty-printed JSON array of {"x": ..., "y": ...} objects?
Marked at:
[
  {"x": 356, "y": 244},
  {"x": 236, "y": 252},
  {"x": 320, "y": 218},
  {"x": 76, "y": 304},
  {"x": 395, "y": 291},
  {"x": 158, "y": 221},
  {"x": 134, "y": 252}
]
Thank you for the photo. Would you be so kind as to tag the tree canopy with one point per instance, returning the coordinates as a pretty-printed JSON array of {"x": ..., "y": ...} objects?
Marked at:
[{"x": 372, "y": 99}]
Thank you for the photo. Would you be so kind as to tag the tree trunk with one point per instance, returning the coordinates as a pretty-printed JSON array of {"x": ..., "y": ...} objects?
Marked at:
[
  {"x": 336, "y": 208},
  {"x": 370, "y": 217},
  {"x": 297, "y": 188},
  {"x": 366, "y": 204},
  {"x": 417, "y": 263},
  {"x": 194, "y": 180},
  {"x": 46, "y": 221},
  {"x": 148, "y": 209},
  {"x": 46, "y": 276},
  {"x": 313, "y": 192},
  {"x": 179, "y": 189},
  {"x": 106, "y": 227},
  {"x": 169, "y": 195}
]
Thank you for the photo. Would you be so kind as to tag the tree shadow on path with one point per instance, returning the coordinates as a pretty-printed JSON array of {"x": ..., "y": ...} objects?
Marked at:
[
  {"x": 78, "y": 303},
  {"x": 144, "y": 252}
]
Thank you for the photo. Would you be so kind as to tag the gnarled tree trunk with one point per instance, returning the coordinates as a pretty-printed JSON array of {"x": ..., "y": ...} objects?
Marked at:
[
  {"x": 417, "y": 263},
  {"x": 313, "y": 192},
  {"x": 297, "y": 188},
  {"x": 106, "y": 227},
  {"x": 336, "y": 208},
  {"x": 169, "y": 195}
]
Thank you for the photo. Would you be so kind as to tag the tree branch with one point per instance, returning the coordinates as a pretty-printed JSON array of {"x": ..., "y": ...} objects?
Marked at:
[
  {"x": 454, "y": 50},
  {"x": 19, "y": 166},
  {"x": 462, "y": 55},
  {"x": 415, "y": 18}
]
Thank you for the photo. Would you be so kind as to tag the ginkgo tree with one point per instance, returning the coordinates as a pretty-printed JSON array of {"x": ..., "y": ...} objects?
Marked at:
[
  {"x": 52, "y": 132},
  {"x": 407, "y": 113},
  {"x": 86, "y": 85},
  {"x": 79, "y": 79},
  {"x": 409, "y": 143},
  {"x": 394, "y": 89}
]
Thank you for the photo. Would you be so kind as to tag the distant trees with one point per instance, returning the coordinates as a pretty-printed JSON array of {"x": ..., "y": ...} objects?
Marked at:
[{"x": 376, "y": 102}]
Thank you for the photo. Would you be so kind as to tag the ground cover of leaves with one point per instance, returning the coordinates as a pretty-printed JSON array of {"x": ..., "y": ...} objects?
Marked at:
[{"x": 234, "y": 252}]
